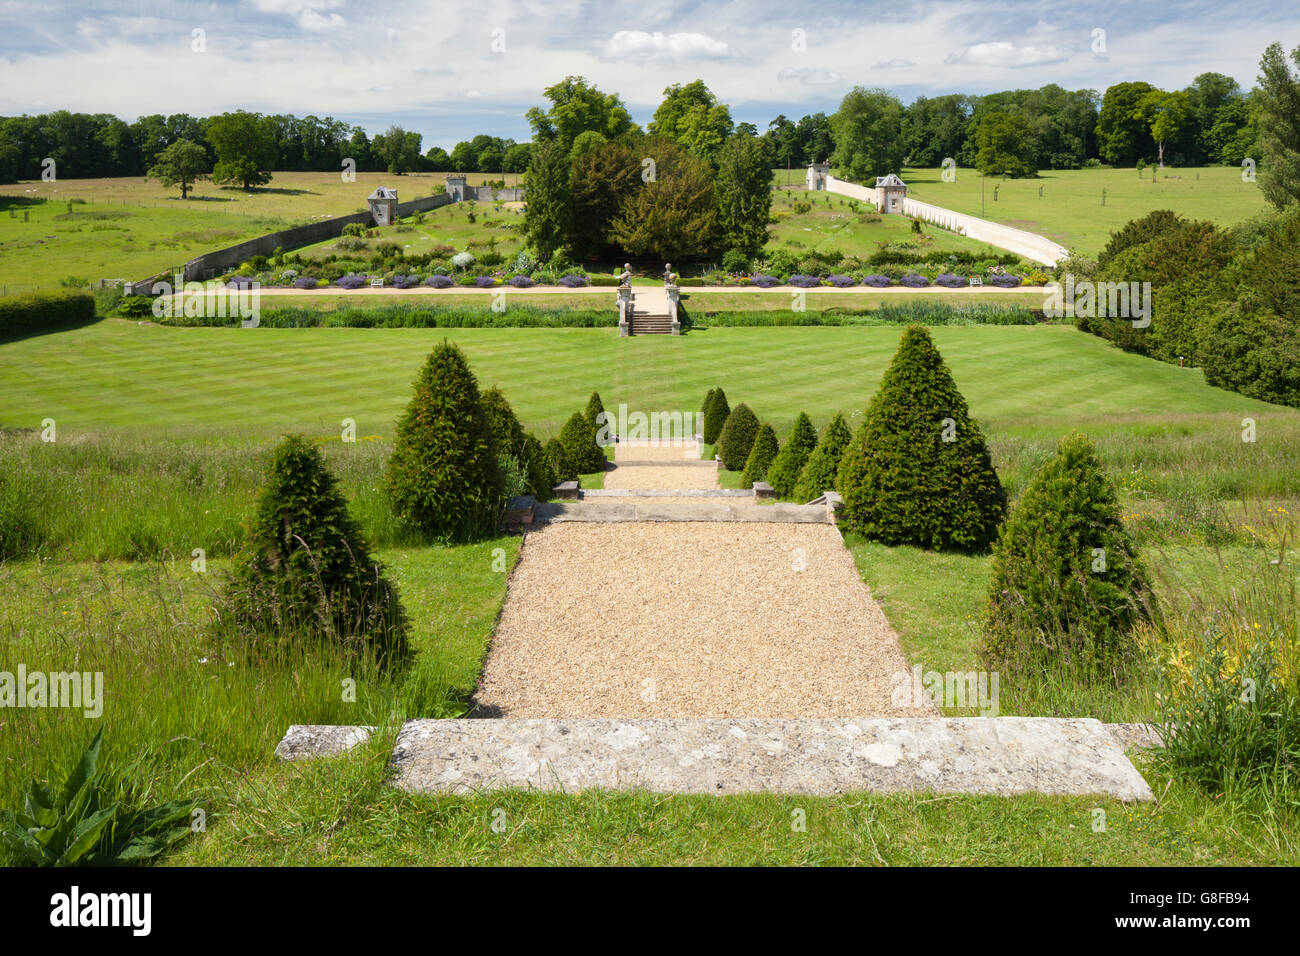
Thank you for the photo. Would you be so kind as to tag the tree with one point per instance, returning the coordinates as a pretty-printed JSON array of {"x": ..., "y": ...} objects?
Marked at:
[
  {"x": 576, "y": 107},
  {"x": 693, "y": 117},
  {"x": 601, "y": 179},
  {"x": 1166, "y": 115},
  {"x": 918, "y": 471},
  {"x": 540, "y": 469},
  {"x": 436, "y": 160},
  {"x": 1206, "y": 97},
  {"x": 464, "y": 158},
  {"x": 443, "y": 476},
  {"x": 517, "y": 157},
  {"x": 1122, "y": 134},
  {"x": 548, "y": 212},
  {"x": 764, "y": 451},
  {"x": 934, "y": 129},
  {"x": 507, "y": 433},
  {"x": 245, "y": 149},
  {"x": 784, "y": 472},
  {"x": 181, "y": 164},
  {"x": 1005, "y": 145},
  {"x": 819, "y": 472},
  {"x": 868, "y": 133},
  {"x": 579, "y": 440},
  {"x": 674, "y": 216},
  {"x": 398, "y": 150},
  {"x": 561, "y": 463},
  {"x": 1279, "y": 127},
  {"x": 736, "y": 439},
  {"x": 306, "y": 568},
  {"x": 1067, "y": 586},
  {"x": 744, "y": 192},
  {"x": 716, "y": 411}
]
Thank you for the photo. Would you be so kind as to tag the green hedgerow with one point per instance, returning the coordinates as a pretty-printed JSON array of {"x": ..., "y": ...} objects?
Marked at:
[
  {"x": 760, "y": 457},
  {"x": 306, "y": 568},
  {"x": 561, "y": 463},
  {"x": 818, "y": 474},
  {"x": 443, "y": 476},
  {"x": 784, "y": 472},
  {"x": 918, "y": 471},
  {"x": 579, "y": 442},
  {"x": 1067, "y": 587},
  {"x": 715, "y": 416},
  {"x": 737, "y": 437}
]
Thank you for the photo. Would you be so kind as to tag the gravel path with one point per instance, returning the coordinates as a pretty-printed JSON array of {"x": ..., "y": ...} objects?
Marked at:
[
  {"x": 690, "y": 620},
  {"x": 668, "y": 477}
]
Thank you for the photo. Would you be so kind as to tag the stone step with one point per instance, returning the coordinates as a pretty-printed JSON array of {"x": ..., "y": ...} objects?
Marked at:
[
  {"x": 947, "y": 755},
  {"x": 636, "y": 508}
]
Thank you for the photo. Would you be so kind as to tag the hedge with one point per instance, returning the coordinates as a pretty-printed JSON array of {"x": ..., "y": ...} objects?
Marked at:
[{"x": 45, "y": 311}]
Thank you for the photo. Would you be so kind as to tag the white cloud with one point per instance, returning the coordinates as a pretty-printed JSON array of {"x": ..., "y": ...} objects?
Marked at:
[
  {"x": 811, "y": 76},
  {"x": 897, "y": 63},
  {"x": 638, "y": 43},
  {"x": 1003, "y": 53},
  {"x": 294, "y": 7},
  {"x": 311, "y": 20}
]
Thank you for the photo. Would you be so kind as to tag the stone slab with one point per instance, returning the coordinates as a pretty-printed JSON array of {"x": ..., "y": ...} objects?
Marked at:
[
  {"x": 302, "y": 741},
  {"x": 999, "y": 755},
  {"x": 634, "y": 509},
  {"x": 666, "y": 493}
]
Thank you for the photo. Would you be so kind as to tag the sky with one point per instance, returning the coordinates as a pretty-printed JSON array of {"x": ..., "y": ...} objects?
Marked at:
[{"x": 452, "y": 70}]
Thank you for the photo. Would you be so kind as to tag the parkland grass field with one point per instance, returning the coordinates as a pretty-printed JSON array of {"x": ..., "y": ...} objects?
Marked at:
[{"x": 162, "y": 438}]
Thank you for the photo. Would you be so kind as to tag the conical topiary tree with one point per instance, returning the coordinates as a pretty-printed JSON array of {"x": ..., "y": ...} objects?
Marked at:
[
  {"x": 737, "y": 437},
  {"x": 794, "y": 453},
  {"x": 540, "y": 470},
  {"x": 443, "y": 476},
  {"x": 561, "y": 463},
  {"x": 595, "y": 408},
  {"x": 1067, "y": 586},
  {"x": 818, "y": 474},
  {"x": 917, "y": 471},
  {"x": 715, "y": 416},
  {"x": 580, "y": 444},
  {"x": 760, "y": 457},
  {"x": 506, "y": 430},
  {"x": 306, "y": 569}
]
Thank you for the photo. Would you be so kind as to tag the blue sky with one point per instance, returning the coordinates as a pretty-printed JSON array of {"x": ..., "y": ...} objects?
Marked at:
[{"x": 449, "y": 70}]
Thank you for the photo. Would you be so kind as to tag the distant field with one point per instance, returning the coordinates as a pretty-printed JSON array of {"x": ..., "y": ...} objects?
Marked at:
[{"x": 1070, "y": 209}]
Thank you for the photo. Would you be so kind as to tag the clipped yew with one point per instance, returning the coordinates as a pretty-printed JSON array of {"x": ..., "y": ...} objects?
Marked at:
[
  {"x": 306, "y": 570},
  {"x": 819, "y": 471},
  {"x": 737, "y": 437},
  {"x": 794, "y": 454},
  {"x": 443, "y": 476},
  {"x": 918, "y": 471},
  {"x": 561, "y": 464},
  {"x": 506, "y": 430},
  {"x": 1067, "y": 587},
  {"x": 579, "y": 442},
  {"x": 715, "y": 416},
  {"x": 760, "y": 457}
]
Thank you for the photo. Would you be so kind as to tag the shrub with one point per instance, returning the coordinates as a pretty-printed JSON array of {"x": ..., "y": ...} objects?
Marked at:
[
  {"x": 507, "y": 433},
  {"x": 306, "y": 569},
  {"x": 918, "y": 471},
  {"x": 803, "y": 281},
  {"x": 305, "y": 282},
  {"x": 784, "y": 472},
  {"x": 735, "y": 261},
  {"x": 561, "y": 463},
  {"x": 354, "y": 229},
  {"x": 462, "y": 260},
  {"x": 1137, "y": 231},
  {"x": 761, "y": 456},
  {"x": 405, "y": 281},
  {"x": 765, "y": 281},
  {"x": 840, "y": 281},
  {"x": 1251, "y": 350},
  {"x": 351, "y": 281},
  {"x": 442, "y": 476},
  {"x": 876, "y": 281},
  {"x": 914, "y": 281},
  {"x": 439, "y": 282},
  {"x": 715, "y": 416},
  {"x": 135, "y": 307},
  {"x": 950, "y": 281},
  {"x": 1004, "y": 281},
  {"x": 521, "y": 282},
  {"x": 737, "y": 437},
  {"x": 579, "y": 440},
  {"x": 573, "y": 281},
  {"x": 1067, "y": 588},
  {"x": 540, "y": 469},
  {"x": 594, "y": 410},
  {"x": 351, "y": 244},
  {"x": 485, "y": 282},
  {"x": 819, "y": 471}
]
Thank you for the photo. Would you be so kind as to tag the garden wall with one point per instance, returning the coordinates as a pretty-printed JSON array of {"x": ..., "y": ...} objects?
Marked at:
[{"x": 213, "y": 263}]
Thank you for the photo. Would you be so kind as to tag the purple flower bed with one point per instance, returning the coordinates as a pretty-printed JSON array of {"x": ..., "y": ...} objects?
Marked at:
[
  {"x": 405, "y": 282},
  {"x": 804, "y": 282},
  {"x": 1005, "y": 281},
  {"x": 241, "y": 282},
  {"x": 765, "y": 281},
  {"x": 521, "y": 282},
  {"x": 484, "y": 281},
  {"x": 950, "y": 281},
  {"x": 876, "y": 281},
  {"x": 573, "y": 282},
  {"x": 305, "y": 282},
  {"x": 439, "y": 282},
  {"x": 351, "y": 281},
  {"x": 914, "y": 281},
  {"x": 841, "y": 282}
]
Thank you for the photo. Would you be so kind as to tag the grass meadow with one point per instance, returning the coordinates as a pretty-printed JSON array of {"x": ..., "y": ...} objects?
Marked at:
[{"x": 162, "y": 435}]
